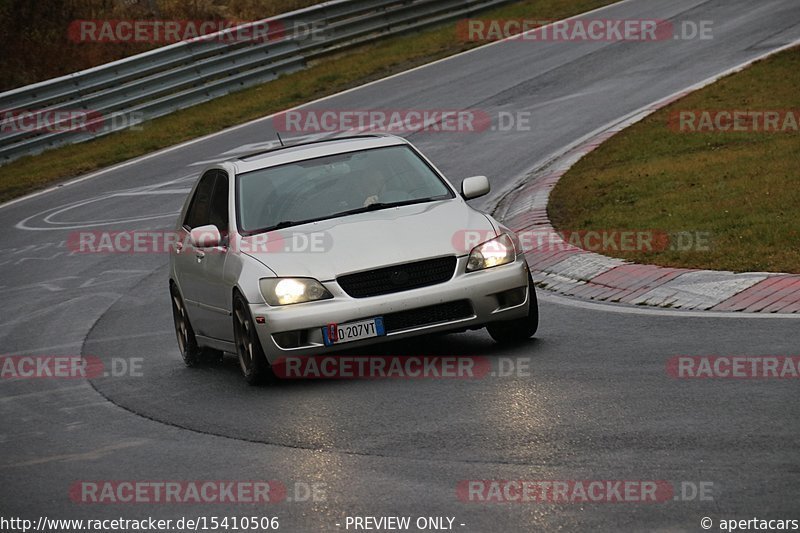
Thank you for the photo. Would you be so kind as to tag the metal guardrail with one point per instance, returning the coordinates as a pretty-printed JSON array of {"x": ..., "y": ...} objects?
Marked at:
[{"x": 180, "y": 75}]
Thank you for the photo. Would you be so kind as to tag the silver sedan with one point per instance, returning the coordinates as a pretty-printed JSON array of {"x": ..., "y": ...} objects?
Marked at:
[{"x": 323, "y": 246}]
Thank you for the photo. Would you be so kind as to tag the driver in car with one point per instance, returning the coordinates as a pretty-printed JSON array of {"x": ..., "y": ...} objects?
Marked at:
[{"x": 373, "y": 185}]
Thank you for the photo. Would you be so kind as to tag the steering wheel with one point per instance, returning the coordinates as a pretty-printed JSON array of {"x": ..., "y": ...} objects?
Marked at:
[{"x": 302, "y": 193}]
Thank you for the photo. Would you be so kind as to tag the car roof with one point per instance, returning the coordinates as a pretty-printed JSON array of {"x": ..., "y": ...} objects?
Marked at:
[{"x": 282, "y": 155}]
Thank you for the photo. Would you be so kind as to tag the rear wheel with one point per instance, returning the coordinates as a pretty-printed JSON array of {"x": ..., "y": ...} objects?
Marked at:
[
  {"x": 519, "y": 329},
  {"x": 252, "y": 360}
]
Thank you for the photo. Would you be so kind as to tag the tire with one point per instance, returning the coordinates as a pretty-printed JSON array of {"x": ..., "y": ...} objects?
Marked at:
[
  {"x": 252, "y": 361},
  {"x": 187, "y": 343},
  {"x": 519, "y": 329}
]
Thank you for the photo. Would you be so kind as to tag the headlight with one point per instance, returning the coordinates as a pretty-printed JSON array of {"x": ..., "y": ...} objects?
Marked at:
[
  {"x": 496, "y": 252},
  {"x": 285, "y": 291}
]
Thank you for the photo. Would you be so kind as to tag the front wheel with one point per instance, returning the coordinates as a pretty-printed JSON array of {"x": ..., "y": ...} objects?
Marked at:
[
  {"x": 187, "y": 343},
  {"x": 519, "y": 329},
  {"x": 252, "y": 360}
]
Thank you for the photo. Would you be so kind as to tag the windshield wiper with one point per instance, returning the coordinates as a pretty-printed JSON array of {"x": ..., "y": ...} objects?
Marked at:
[
  {"x": 285, "y": 224},
  {"x": 380, "y": 205},
  {"x": 371, "y": 207},
  {"x": 280, "y": 225}
]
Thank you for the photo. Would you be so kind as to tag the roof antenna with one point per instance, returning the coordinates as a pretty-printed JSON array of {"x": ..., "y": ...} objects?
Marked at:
[{"x": 279, "y": 138}]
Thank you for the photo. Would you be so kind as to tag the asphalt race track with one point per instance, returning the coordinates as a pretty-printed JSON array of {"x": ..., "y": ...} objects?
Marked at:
[{"x": 595, "y": 401}]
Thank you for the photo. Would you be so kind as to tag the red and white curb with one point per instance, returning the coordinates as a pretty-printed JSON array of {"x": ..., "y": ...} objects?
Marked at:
[{"x": 572, "y": 271}]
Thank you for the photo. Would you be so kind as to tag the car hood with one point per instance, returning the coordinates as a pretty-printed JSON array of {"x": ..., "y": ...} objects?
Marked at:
[{"x": 330, "y": 248}]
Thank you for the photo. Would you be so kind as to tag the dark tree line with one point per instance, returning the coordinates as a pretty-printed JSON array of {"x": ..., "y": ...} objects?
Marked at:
[{"x": 34, "y": 33}]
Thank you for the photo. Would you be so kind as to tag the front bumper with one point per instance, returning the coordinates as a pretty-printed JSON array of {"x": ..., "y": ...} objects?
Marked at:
[{"x": 499, "y": 293}]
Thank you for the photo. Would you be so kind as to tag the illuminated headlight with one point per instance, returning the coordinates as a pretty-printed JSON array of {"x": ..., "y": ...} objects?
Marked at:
[
  {"x": 285, "y": 291},
  {"x": 498, "y": 251}
]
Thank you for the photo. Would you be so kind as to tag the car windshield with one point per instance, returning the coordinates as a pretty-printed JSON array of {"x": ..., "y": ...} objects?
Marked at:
[{"x": 335, "y": 185}]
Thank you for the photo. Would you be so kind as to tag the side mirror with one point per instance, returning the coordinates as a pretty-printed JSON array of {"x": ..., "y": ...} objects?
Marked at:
[
  {"x": 474, "y": 187},
  {"x": 205, "y": 236}
]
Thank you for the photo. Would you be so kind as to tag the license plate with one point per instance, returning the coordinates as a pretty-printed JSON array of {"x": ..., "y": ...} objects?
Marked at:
[{"x": 353, "y": 331}]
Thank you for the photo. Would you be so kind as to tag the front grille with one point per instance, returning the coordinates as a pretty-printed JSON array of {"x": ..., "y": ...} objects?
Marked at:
[
  {"x": 398, "y": 278},
  {"x": 424, "y": 316}
]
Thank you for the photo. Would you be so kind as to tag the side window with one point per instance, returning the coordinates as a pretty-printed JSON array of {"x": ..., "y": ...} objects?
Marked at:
[
  {"x": 197, "y": 214},
  {"x": 218, "y": 214}
]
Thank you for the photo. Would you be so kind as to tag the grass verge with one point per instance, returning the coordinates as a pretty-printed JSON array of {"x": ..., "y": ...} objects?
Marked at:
[
  {"x": 740, "y": 189},
  {"x": 326, "y": 76}
]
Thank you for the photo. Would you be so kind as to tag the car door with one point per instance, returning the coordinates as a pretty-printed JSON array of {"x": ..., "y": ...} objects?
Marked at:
[
  {"x": 188, "y": 267},
  {"x": 215, "y": 298}
]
